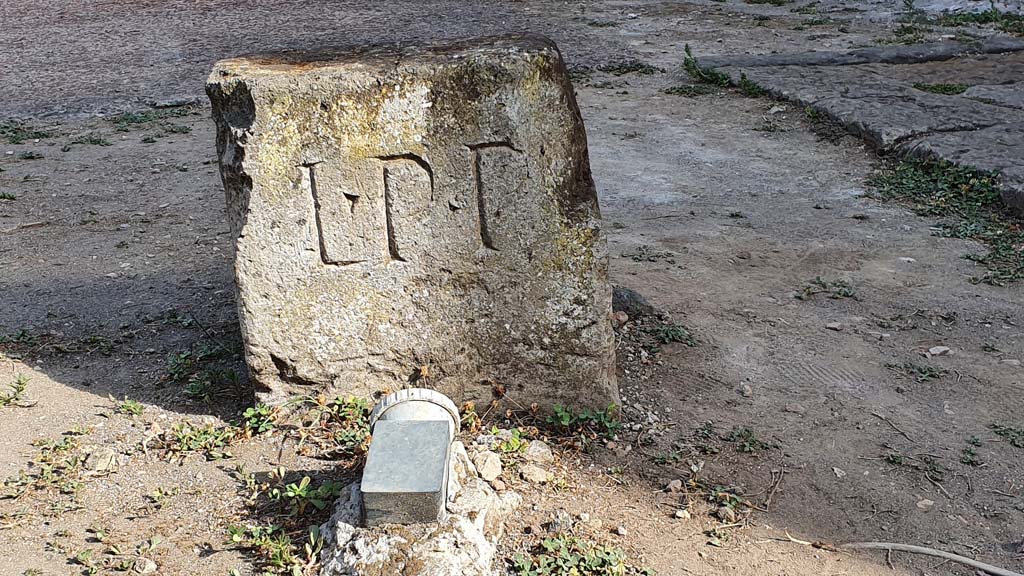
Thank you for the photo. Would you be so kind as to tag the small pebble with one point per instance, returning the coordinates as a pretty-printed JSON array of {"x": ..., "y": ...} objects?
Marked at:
[{"x": 621, "y": 531}]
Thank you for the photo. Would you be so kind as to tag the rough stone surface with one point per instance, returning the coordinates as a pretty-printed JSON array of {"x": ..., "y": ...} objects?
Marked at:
[
  {"x": 464, "y": 543},
  {"x": 535, "y": 474},
  {"x": 995, "y": 148},
  {"x": 1009, "y": 95},
  {"x": 488, "y": 465},
  {"x": 872, "y": 93},
  {"x": 630, "y": 302},
  {"x": 402, "y": 208},
  {"x": 539, "y": 451}
]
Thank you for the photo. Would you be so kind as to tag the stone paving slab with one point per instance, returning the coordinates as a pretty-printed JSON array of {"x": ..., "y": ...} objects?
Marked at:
[
  {"x": 1008, "y": 95},
  {"x": 930, "y": 52},
  {"x": 999, "y": 148},
  {"x": 872, "y": 93}
]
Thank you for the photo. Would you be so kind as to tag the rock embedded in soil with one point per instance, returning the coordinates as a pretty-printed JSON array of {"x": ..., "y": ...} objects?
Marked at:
[
  {"x": 488, "y": 465},
  {"x": 535, "y": 474},
  {"x": 416, "y": 212},
  {"x": 538, "y": 451}
]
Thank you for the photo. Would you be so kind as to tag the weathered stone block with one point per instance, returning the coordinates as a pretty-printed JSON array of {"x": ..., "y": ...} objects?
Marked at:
[{"x": 395, "y": 208}]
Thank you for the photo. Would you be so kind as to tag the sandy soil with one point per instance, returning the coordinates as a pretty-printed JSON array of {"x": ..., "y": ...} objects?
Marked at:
[{"x": 116, "y": 257}]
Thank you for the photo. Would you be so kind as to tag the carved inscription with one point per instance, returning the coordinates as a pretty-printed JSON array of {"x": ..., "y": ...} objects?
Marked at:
[
  {"x": 499, "y": 170},
  {"x": 382, "y": 209},
  {"x": 348, "y": 214}
]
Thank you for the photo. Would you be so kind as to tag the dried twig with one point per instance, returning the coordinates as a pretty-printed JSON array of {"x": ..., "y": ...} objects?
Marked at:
[
  {"x": 890, "y": 546},
  {"x": 894, "y": 427},
  {"x": 774, "y": 487}
]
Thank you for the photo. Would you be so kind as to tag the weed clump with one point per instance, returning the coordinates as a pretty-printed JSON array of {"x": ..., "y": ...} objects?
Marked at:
[
  {"x": 705, "y": 75},
  {"x": 564, "y": 555},
  {"x": 969, "y": 202},
  {"x": 945, "y": 89}
]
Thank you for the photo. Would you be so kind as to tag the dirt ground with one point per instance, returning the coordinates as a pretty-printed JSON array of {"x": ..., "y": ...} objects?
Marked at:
[{"x": 721, "y": 211}]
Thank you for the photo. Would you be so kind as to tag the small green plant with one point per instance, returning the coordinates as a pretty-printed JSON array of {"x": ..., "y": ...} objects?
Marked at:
[
  {"x": 598, "y": 422},
  {"x": 969, "y": 456},
  {"x": 602, "y": 23},
  {"x": 7, "y": 196},
  {"x": 15, "y": 395},
  {"x": 298, "y": 496},
  {"x": 1006, "y": 21},
  {"x": 209, "y": 440},
  {"x": 565, "y": 555},
  {"x": 16, "y": 132},
  {"x": 276, "y": 552},
  {"x": 56, "y": 467},
  {"x": 894, "y": 458},
  {"x": 29, "y": 155},
  {"x": 672, "y": 333},
  {"x": 705, "y": 75},
  {"x": 746, "y": 440},
  {"x": 92, "y": 139},
  {"x": 176, "y": 128},
  {"x": 750, "y": 88},
  {"x": 772, "y": 2},
  {"x": 946, "y": 89},
  {"x": 969, "y": 202},
  {"x": 22, "y": 336},
  {"x": 128, "y": 119},
  {"x": 919, "y": 372},
  {"x": 259, "y": 419},
  {"x": 148, "y": 140},
  {"x": 340, "y": 427},
  {"x": 835, "y": 289},
  {"x": 1012, "y": 434},
  {"x": 130, "y": 407},
  {"x": 629, "y": 67},
  {"x": 515, "y": 443},
  {"x": 689, "y": 90}
]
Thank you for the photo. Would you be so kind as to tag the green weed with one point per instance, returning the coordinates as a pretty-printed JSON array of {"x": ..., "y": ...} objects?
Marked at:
[
  {"x": 750, "y": 88},
  {"x": 919, "y": 372},
  {"x": 297, "y": 497},
  {"x": 57, "y": 466},
  {"x": 130, "y": 407},
  {"x": 672, "y": 333},
  {"x": 7, "y": 196},
  {"x": 705, "y": 75},
  {"x": 515, "y": 444},
  {"x": 689, "y": 90},
  {"x": 16, "y": 132},
  {"x": 340, "y": 428},
  {"x": 564, "y": 555},
  {"x": 590, "y": 422},
  {"x": 1005, "y": 21},
  {"x": 771, "y": 2},
  {"x": 746, "y": 440},
  {"x": 946, "y": 89},
  {"x": 629, "y": 67},
  {"x": 208, "y": 440},
  {"x": 15, "y": 395},
  {"x": 1012, "y": 434},
  {"x": 259, "y": 419},
  {"x": 92, "y": 139},
  {"x": 128, "y": 119},
  {"x": 275, "y": 550},
  {"x": 30, "y": 155},
  {"x": 834, "y": 289},
  {"x": 969, "y": 202}
]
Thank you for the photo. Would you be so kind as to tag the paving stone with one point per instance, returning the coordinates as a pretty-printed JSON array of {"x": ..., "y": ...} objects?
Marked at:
[
  {"x": 1009, "y": 95},
  {"x": 994, "y": 148},
  {"x": 394, "y": 208}
]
